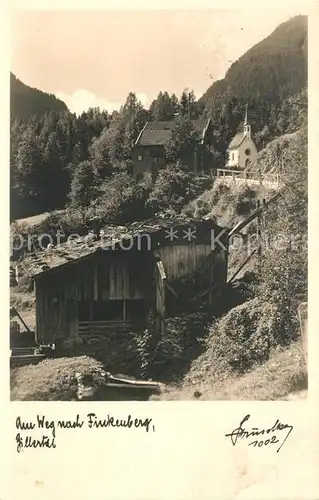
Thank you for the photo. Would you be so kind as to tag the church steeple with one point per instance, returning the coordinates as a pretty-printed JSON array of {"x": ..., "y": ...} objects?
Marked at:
[{"x": 247, "y": 130}]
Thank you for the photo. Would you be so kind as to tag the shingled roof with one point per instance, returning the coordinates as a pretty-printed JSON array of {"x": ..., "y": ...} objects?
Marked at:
[
  {"x": 159, "y": 133},
  {"x": 42, "y": 261},
  {"x": 236, "y": 141}
]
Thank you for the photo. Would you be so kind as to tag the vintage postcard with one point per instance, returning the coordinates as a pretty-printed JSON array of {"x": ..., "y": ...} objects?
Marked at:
[{"x": 160, "y": 170}]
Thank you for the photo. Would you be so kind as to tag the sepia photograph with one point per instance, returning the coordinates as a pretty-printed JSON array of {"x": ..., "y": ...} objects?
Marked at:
[{"x": 158, "y": 205}]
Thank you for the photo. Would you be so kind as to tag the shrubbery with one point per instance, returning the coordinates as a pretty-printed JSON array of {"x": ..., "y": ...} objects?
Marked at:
[
  {"x": 54, "y": 379},
  {"x": 235, "y": 343},
  {"x": 123, "y": 200},
  {"x": 171, "y": 356},
  {"x": 175, "y": 186}
]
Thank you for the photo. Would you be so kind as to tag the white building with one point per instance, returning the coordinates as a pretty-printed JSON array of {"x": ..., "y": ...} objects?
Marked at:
[{"x": 242, "y": 152}]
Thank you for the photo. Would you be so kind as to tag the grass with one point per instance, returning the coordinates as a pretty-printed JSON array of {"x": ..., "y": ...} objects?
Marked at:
[
  {"x": 282, "y": 376},
  {"x": 284, "y": 373},
  {"x": 53, "y": 379},
  {"x": 24, "y": 302},
  {"x": 21, "y": 298}
]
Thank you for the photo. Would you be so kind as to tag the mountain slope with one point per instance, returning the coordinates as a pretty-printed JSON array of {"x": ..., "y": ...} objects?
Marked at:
[
  {"x": 26, "y": 101},
  {"x": 273, "y": 69},
  {"x": 279, "y": 154}
]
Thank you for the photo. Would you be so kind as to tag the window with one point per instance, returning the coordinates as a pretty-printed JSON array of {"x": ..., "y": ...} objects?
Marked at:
[
  {"x": 247, "y": 152},
  {"x": 233, "y": 156},
  {"x": 101, "y": 311},
  {"x": 140, "y": 158}
]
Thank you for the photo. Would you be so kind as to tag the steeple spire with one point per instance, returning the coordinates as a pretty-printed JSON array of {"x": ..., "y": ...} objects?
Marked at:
[
  {"x": 247, "y": 130},
  {"x": 246, "y": 115}
]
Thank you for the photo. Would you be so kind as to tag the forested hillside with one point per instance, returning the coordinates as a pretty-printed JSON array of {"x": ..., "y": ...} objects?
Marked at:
[
  {"x": 270, "y": 77},
  {"x": 26, "y": 101},
  {"x": 272, "y": 70}
]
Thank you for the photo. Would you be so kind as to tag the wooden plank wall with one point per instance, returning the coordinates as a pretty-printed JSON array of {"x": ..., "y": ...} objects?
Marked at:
[
  {"x": 122, "y": 276},
  {"x": 115, "y": 276},
  {"x": 182, "y": 260}
]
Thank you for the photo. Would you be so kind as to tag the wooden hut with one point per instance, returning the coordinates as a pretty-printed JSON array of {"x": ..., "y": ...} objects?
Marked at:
[{"x": 90, "y": 286}]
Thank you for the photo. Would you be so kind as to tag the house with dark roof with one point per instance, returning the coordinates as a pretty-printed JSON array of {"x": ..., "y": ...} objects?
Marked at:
[
  {"x": 242, "y": 151},
  {"x": 95, "y": 286},
  {"x": 149, "y": 151}
]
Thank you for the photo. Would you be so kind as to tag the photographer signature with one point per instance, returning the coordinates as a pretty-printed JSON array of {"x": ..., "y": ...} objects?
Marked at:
[{"x": 261, "y": 437}]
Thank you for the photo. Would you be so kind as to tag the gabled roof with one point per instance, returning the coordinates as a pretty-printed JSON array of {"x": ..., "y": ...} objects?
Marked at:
[
  {"x": 159, "y": 133},
  {"x": 43, "y": 261},
  {"x": 236, "y": 141}
]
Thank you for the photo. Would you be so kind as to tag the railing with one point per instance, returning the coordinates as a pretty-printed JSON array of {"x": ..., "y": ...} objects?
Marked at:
[
  {"x": 245, "y": 176},
  {"x": 104, "y": 327}
]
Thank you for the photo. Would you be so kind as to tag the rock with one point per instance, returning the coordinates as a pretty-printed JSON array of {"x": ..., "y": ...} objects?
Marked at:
[
  {"x": 84, "y": 392},
  {"x": 197, "y": 394}
]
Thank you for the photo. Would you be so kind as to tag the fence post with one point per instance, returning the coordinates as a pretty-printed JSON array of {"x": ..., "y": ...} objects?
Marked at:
[
  {"x": 258, "y": 223},
  {"x": 303, "y": 320}
]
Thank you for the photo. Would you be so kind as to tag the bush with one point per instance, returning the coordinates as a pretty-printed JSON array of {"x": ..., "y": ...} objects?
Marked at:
[
  {"x": 171, "y": 356},
  {"x": 235, "y": 343},
  {"x": 246, "y": 200},
  {"x": 174, "y": 187},
  {"x": 70, "y": 221},
  {"x": 54, "y": 379},
  {"x": 123, "y": 199}
]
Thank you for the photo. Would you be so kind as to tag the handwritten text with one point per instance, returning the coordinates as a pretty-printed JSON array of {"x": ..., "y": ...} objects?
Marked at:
[
  {"x": 25, "y": 437},
  {"x": 263, "y": 437}
]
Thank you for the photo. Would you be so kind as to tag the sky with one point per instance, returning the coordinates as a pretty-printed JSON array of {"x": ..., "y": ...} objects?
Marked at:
[{"x": 95, "y": 58}]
